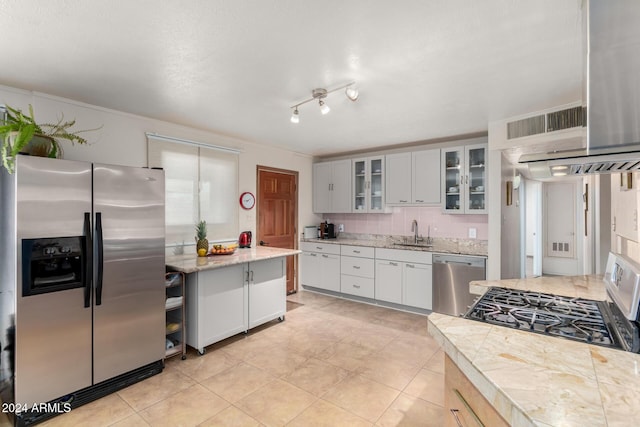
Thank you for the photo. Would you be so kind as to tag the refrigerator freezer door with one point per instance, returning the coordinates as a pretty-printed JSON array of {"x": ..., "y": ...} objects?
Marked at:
[
  {"x": 53, "y": 330},
  {"x": 129, "y": 315}
]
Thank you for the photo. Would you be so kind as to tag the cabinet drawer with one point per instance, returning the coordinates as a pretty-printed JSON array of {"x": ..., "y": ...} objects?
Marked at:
[
  {"x": 404, "y": 255},
  {"x": 323, "y": 248},
  {"x": 362, "y": 267},
  {"x": 357, "y": 251},
  {"x": 354, "y": 285}
]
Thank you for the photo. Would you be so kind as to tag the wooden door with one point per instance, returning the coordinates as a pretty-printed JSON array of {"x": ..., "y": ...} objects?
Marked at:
[{"x": 277, "y": 202}]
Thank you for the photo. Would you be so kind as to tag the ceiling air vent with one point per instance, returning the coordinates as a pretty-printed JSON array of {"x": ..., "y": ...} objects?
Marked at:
[
  {"x": 525, "y": 127},
  {"x": 546, "y": 123},
  {"x": 565, "y": 119}
]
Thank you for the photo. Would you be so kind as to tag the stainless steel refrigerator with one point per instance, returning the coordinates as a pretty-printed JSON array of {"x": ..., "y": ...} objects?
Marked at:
[{"x": 81, "y": 281}]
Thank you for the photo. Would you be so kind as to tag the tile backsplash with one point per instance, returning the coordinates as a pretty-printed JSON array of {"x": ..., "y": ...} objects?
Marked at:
[{"x": 398, "y": 222}]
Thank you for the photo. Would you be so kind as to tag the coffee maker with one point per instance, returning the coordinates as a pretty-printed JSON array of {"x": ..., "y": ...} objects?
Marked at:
[{"x": 327, "y": 231}]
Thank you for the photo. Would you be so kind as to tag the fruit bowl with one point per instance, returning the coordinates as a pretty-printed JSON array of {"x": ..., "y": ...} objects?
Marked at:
[{"x": 223, "y": 250}]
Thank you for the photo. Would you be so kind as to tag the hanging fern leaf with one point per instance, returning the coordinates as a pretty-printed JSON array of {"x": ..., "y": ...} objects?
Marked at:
[{"x": 17, "y": 130}]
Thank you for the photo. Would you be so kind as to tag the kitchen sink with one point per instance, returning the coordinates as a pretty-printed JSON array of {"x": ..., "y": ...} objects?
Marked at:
[{"x": 415, "y": 245}]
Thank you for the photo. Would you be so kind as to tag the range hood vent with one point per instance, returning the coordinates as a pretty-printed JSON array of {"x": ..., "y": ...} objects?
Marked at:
[
  {"x": 611, "y": 91},
  {"x": 547, "y": 123},
  {"x": 566, "y": 164}
]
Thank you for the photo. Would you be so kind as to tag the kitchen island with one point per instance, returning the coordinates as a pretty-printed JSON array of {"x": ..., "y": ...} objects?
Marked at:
[
  {"x": 538, "y": 380},
  {"x": 230, "y": 294}
]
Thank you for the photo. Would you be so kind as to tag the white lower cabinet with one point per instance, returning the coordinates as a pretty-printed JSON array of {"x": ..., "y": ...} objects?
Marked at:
[
  {"x": 320, "y": 265},
  {"x": 217, "y": 305},
  {"x": 267, "y": 290},
  {"x": 388, "y": 283},
  {"x": 397, "y": 276},
  {"x": 404, "y": 277},
  {"x": 357, "y": 270},
  {"x": 417, "y": 285},
  {"x": 225, "y": 301}
]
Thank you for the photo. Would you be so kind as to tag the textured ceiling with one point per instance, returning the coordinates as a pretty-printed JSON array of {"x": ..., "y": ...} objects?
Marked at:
[{"x": 425, "y": 68}]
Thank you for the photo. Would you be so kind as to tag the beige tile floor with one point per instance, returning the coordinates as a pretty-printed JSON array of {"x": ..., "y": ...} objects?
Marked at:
[{"x": 332, "y": 362}]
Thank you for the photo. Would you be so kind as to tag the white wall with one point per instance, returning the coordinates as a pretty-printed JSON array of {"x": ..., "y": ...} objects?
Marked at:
[
  {"x": 122, "y": 141},
  {"x": 511, "y": 244}
]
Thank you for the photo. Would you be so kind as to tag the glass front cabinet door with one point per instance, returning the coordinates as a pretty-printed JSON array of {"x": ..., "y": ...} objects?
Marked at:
[
  {"x": 368, "y": 185},
  {"x": 465, "y": 179}
]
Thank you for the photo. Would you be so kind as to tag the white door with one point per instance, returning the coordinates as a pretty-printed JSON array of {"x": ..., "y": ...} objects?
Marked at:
[{"x": 560, "y": 228}]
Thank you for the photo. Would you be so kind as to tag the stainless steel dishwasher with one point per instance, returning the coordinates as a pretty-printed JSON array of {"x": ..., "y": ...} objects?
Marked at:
[{"x": 451, "y": 277}]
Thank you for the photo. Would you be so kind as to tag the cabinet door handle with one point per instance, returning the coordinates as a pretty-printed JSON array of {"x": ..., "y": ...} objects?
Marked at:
[
  {"x": 454, "y": 412},
  {"x": 356, "y": 286},
  {"x": 356, "y": 252},
  {"x": 467, "y": 407},
  {"x": 410, "y": 265},
  {"x": 325, "y": 256},
  {"x": 357, "y": 267},
  {"x": 403, "y": 201},
  {"x": 419, "y": 201},
  {"x": 312, "y": 254},
  {"x": 466, "y": 179},
  {"x": 319, "y": 248},
  {"x": 393, "y": 263}
]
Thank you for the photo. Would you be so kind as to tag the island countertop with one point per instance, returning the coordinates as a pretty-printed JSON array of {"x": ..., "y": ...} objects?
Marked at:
[
  {"x": 539, "y": 380},
  {"x": 192, "y": 263}
]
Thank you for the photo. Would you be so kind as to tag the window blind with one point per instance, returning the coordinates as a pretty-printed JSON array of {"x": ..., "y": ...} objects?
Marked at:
[{"x": 200, "y": 184}]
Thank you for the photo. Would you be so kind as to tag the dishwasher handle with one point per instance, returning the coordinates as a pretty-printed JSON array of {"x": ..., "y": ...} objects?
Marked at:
[
  {"x": 463, "y": 260},
  {"x": 456, "y": 262}
]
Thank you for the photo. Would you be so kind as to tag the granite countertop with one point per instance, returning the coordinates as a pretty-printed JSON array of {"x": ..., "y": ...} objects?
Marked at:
[
  {"x": 538, "y": 380},
  {"x": 193, "y": 263},
  {"x": 440, "y": 245}
]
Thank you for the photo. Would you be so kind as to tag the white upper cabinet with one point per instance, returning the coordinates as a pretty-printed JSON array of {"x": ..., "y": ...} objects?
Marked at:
[
  {"x": 398, "y": 179},
  {"x": 464, "y": 179},
  {"x": 332, "y": 187},
  {"x": 625, "y": 203},
  {"x": 426, "y": 177},
  {"x": 368, "y": 185},
  {"x": 413, "y": 178}
]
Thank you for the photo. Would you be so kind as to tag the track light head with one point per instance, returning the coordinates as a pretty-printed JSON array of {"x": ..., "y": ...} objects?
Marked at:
[
  {"x": 324, "y": 108},
  {"x": 351, "y": 92},
  {"x": 295, "y": 117}
]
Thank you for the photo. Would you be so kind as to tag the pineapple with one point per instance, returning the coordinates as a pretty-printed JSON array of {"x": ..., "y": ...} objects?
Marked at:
[{"x": 201, "y": 236}]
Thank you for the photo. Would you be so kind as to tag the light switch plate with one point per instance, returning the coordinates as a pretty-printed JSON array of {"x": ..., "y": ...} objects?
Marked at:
[
  {"x": 341, "y": 228},
  {"x": 473, "y": 233}
]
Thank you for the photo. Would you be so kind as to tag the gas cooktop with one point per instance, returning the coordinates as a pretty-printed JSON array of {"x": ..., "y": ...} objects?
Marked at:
[{"x": 573, "y": 318}]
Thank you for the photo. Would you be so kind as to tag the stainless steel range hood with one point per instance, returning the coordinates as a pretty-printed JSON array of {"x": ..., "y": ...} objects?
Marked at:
[{"x": 612, "y": 91}]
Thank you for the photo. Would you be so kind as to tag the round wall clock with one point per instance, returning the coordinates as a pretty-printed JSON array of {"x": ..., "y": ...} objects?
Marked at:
[{"x": 247, "y": 200}]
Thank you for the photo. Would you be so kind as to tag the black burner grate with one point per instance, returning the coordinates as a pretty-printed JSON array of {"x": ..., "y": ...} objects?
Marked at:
[{"x": 573, "y": 318}]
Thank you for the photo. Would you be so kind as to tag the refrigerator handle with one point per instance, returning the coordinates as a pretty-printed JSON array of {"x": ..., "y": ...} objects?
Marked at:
[
  {"x": 88, "y": 264},
  {"x": 100, "y": 257}
]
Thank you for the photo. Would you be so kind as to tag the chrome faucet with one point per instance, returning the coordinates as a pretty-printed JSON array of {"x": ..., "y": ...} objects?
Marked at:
[{"x": 414, "y": 228}]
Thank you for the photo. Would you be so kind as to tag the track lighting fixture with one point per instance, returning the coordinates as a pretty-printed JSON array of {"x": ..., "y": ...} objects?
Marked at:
[{"x": 320, "y": 94}]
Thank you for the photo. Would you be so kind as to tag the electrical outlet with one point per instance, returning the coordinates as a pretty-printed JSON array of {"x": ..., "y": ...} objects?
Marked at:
[
  {"x": 341, "y": 228},
  {"x": 473, "y": 233}
]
